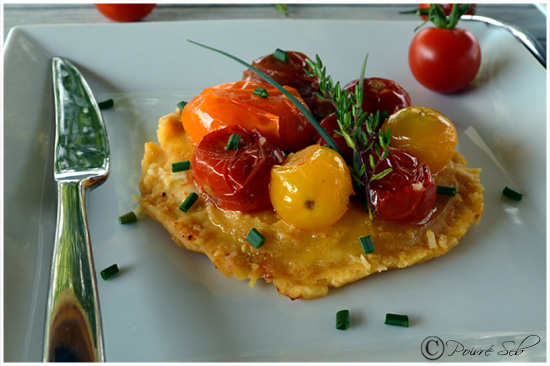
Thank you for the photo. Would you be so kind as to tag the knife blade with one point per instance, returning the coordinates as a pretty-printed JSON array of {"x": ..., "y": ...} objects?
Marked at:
[{"x": 73, "y": 329}]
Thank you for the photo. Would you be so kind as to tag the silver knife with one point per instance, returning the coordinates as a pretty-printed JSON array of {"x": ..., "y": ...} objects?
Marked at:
[{"x": 73, "y": 329}]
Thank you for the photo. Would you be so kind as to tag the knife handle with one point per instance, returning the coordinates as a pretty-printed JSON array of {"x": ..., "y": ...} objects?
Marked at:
[{"x": 73, "y": 321}]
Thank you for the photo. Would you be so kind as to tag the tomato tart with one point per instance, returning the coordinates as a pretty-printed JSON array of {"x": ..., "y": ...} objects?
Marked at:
[{"x": 270, "y": 200}]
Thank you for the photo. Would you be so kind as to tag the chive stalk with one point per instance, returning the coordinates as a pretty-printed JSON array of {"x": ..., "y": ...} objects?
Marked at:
[
  {"x": 182, "y": 105},
  {"x": 512, "y": 193},
  {"x": 367, "y": 244},
  {"x": 189, "y": 201},
  {"x": 181, "y": 166},
  {"x": 260, "y": 92},
  {"x": 281, "y": 55},
  {"x": 233, "y": 141},
  {"x": 447, "y": 191},
  {"x": 106, "y": 104},
  {"x": 109, "y": 272},
  {"x": 255, "y": 238},
  {"x": 127, "y": 218},
  {"x": 342, "y": 319},
  {"x": 397, "y": 319}
]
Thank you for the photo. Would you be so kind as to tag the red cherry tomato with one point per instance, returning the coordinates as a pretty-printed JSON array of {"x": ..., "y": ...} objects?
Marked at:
[
  {"x": 125, "y": 12},
  {"x": 447, "y": 8},
  {"x": 238, "y": 179},
  {"x": 291, "y": 73},
  {"x": 444, "y": 60},
  {"x": 407, "y": 193},
  {"x": 381, "y": 94},
  {"x": 330, "y": 124}
]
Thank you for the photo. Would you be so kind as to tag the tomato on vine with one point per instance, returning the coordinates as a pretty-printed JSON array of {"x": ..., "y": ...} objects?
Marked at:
[{"x": 444, "y": 58}]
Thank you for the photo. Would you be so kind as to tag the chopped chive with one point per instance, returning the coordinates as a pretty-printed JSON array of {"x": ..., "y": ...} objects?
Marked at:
[
  {"x": 342, "y": 319},
  {"x": 233, "y": 141},
  {"x": 447, "y": 190},
  {"x": 281, "y": 55},
  {"x": 109, "y": 272},
  {"x": 181, "y": 166},
  {"x": 127, "y": 218},
  {"x": 182, "y": 105},
  {"x": 397, "y": 319},
  {"x": 189, "y": 201},
  {"x": 260, "y": 92},
  {"x": 512, "y": 193},
  {"x": 367, "y": 244},
  {"x": 255, "y": 238},
  {"x": 106, "y": 104}
]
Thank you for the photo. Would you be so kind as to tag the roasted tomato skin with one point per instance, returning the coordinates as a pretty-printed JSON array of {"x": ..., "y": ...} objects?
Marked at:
[
  {"x": 330, "y": 124},
  {"x": 291, "y": 73},
  {"x": 235, "y": 103},
  {"x": 381, "y": 94},
  {"x": 408, "y": 193},
  {"x": 236, "y": 180}
]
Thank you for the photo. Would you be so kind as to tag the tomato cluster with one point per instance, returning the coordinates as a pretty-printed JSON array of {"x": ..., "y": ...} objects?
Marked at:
[{"x": 278, "y": 146}]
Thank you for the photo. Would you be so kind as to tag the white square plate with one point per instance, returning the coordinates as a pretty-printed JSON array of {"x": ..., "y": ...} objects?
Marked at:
[{"x": 168, "y": 304}]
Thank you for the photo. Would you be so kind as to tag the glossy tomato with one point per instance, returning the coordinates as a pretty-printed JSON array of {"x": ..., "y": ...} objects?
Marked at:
[
  {"x": 330, "y": 124},
  {"x": 237, "y": 179},
  {"x": 291, "y": 72},
  {"x": 125, "y": 12},
  {"x": 425, "y": 133},
  {"x": 408, "y": 193},
  {"x": 444, "y": 60},
  {"x": 381, "y": 94},
  {"x": 235, "y": 103}
]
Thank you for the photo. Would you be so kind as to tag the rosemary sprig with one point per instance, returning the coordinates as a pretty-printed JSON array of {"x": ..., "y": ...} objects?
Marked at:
[{"x": 360, "y": 130}]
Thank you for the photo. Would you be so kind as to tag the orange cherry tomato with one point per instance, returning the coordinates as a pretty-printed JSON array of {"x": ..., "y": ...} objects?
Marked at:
[
  {"x": 125, "y": 12},
  {"x": 235, "y": 103}
]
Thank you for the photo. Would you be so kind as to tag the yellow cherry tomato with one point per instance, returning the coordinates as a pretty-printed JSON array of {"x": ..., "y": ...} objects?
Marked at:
[
  {"x": 425, "y": 133},
  {"x": 311, "y": 189}
]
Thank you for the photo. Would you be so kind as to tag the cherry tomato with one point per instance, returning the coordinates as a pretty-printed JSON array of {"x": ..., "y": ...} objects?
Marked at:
[
  {"x": 291, "y": 73},
  {"x": 407, "y": 193},
  {"x": 311, "y": 189},
  {"x": 425, "y": 133},
  {"x": 330, "y": 124},
  {"x": 381, "y": 94},
  {"x": 236, "y": 104},
  {"x": 447, "y": 8},
  {"x": 444, "y": 60},
  {"x": 125, "y": 12},
  {"x": 238, "y": 179}
]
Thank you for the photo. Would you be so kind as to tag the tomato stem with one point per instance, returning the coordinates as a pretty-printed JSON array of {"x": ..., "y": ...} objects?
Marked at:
[{"x": 437, "y": 15}]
